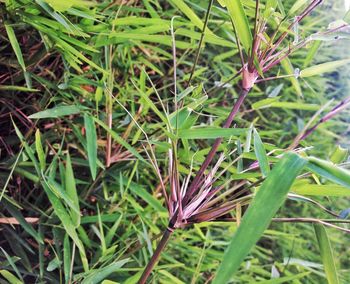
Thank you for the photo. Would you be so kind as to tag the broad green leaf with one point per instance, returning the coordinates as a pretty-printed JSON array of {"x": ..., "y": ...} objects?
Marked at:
[
  {"x": 67, "y": 223},
  {"x": 296, "y": 6},
  {"x": 272, "y": 192},
  {"x": 240, "y": 22},
  {"x": 260, "y": 153},
  {"x": 96, "y": 276},
  {"x": 326, "y": 254},
  {"x": 323, "y": 68},
  {"x": 321, "y": 190},
  {"x": 16, "y": 48},
  {"x": 91, "y": 142},
  {"x": 184, "y": 8},
  {"x": 55, "y": 112},
  {"x": 209, "y": 133},
  {"x": 59, "y": 5},
  {"x": 67, "y": 258},
  {"x": 270, "y": 8},
  {"x": 329, "y": 171},
  {"x": 72, "y": 191},
  {"x": 40, "y": 151},
  {"x": 12, "y": 279}
]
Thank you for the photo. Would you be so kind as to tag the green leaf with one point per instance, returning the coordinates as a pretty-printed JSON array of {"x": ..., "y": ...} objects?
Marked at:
[
  {"x": 59, "y": 5},
  {"x": 321, "y": 190},
  {"x": 288, "y": 67},
  {"x": 296, "y": 6},
  {"x": 209, "y": 132},
  {"x": 67, "y": 258},
  {"x": 18, "y": 53},
  {"x": 12, "y": 279},
  {"x": 143, "y": 194},
  {"x": 91, "y": 142},
  {"x": 22, "y": 221},
  {"x": 184, "y": 8},
  {"x": 285, "y": 279},
  {"x": 272, "y": 192},
  {"x": 323, "y": 68},
  {"x": 326, "y": 254},
  {"x": 72, "y": 191},
  {"x": 329, "y": 171},
  {"x": 15, "y": 46},
  {"x": 67, "y": 223},
  {"x": 240, "y": 22},
  {"x": 339, "y": 155},
  {"x": 56, "y": 112},
  {"x": 120, "y": 140},
  {"x": 260, "y": 153},
  {"x": 39, "y": 150},
  {"x": 97, "y": 275}
]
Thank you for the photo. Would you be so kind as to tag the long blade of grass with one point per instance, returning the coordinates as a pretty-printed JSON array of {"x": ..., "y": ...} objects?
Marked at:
[
  {"x": 72, "y": 191},
  {"x": 241, "y": 23},
  {"x": 55, "y": 112},
  {"x": 260, "y": 153},
  {"x": 16, "y": 48},
  {"x": 91, "y": 142},
  {"x": 323, "y": 68},
  {"x": 329, "y": 171},
  {"x": 264, "y": 206},
  {"x": 326, "y": 254},
  {"x": 210, "y": 133}
]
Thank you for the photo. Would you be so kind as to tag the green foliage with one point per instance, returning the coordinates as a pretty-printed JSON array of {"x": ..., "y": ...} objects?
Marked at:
[{"x": 88, "y": 119}]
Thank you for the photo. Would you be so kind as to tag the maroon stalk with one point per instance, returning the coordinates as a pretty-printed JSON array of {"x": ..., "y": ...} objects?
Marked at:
[
  {"x": 215, "y": 146},
  {"x": 155, "y": 257}
]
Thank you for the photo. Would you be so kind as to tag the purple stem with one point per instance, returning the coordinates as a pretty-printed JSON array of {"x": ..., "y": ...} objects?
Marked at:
[
  {"x": 215, "y": 147},
  {"x": 155, "y": 257}
]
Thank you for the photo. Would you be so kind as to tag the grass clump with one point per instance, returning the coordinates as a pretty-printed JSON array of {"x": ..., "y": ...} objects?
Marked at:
[{"x": 123, "y": 121}]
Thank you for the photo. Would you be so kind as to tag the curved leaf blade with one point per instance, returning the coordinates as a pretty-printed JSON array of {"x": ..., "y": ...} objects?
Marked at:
[
  {"x": 326, "y": 254},
  {"x": 272, "y": 192}
]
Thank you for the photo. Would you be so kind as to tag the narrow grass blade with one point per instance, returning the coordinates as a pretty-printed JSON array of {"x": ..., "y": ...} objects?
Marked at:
[
  {"x": 67, "y": 223},
  {"x": 22, "y": 221},
  {"x": 96, "y": 276},
  {"x": 56, "y": 112},
  {"x": 91, "y": 142},
  {"x": 323, "y": 68},
  {"x": 67, "y": 258},
  {"x": 72, "y": 191},
  {"x": 321, "y": 190},
  {"x": 285, "y": 279},
  {"x": 326, "y": 254},
  {"x": 120, "y": 140},
  {"x": 241, "y": 23},
  {"x": 329, "y": 171},
  {"x": 184, "y": 8},
  {"x": 260, "y": 153},
  {"x": 210, "y": 133},
  {"x": 39, "y": 150},
  {"x": 264, "y": 206},
  {"x": 12, "y": 279},
  {"x": 288, "y": 67},
  {"x": 18, "y": 52}
]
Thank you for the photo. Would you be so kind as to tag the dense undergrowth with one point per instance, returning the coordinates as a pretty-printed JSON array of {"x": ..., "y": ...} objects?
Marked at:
[{"x": 87, "y": 93}]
